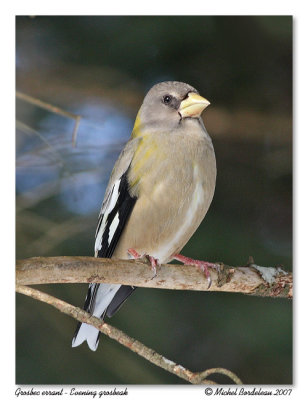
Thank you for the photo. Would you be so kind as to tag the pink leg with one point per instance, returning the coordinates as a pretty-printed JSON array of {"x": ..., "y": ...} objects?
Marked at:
[
  {"x": 133, "y": 253},
  {"x": 202, "y": 265},
  {"x": 154, "y": 262}
]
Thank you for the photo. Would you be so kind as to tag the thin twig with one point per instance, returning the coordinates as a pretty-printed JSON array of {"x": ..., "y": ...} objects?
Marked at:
[
  {"x": 125, "y": 340},
  {"x": 53, "y": 109},
  {"x": 250, "y": 279},
  {"x": 56, "y": 233},
  {"x": 74, "y": 137},
  {"x": 27, "y": 129}
]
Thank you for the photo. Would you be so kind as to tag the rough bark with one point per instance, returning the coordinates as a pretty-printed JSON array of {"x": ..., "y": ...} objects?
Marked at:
[{"x": 249, "y": 279}]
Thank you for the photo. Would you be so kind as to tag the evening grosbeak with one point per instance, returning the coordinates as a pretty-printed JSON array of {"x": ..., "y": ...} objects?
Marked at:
[{"x": 159, "y": 192}]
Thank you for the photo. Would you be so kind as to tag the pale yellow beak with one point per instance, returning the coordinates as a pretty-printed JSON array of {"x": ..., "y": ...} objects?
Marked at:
[{"x": 193, "y": 105}]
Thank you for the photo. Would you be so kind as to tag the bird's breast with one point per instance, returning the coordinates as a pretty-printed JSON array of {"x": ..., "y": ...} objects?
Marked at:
[{"x": 174, "y": 193}]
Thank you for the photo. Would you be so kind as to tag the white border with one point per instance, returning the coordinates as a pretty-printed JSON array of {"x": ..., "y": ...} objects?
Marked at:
[{"x": 56, "y": 7}]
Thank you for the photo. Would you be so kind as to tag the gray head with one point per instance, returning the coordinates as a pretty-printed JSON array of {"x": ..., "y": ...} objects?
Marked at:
[{"x": 168, "y": 104}]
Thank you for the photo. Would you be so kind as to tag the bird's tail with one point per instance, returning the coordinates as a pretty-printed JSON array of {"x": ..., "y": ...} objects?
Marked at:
[
  {"x": 98, "y": 298},
  {"x": 86, "y": 332}
]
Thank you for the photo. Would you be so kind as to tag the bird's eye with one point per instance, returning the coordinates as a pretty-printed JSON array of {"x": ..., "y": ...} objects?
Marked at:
[{"x": 167, "y": 99}]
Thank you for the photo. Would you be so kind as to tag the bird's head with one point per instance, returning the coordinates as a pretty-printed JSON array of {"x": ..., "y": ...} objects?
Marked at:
[{"x": 167, "y": 105}]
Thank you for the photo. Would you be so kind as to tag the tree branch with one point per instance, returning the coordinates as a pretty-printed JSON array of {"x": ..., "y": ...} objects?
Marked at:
[
  {"x": 125, "y": 340},
  {"x": 249, "y": 279}
]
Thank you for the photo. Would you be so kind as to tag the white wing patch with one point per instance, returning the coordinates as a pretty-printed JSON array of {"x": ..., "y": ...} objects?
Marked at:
[
  {"x": 112, "y": 200},
  {"x": 113, "y": 227}
]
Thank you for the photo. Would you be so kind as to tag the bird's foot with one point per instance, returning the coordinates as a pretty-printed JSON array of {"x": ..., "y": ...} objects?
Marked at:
[
  {"x": 203, "y": 266},
  {"x": 153, "y": 261}
]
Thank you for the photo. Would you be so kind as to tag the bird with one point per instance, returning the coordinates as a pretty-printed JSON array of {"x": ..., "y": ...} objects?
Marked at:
[{"x": 158, "y": 193}]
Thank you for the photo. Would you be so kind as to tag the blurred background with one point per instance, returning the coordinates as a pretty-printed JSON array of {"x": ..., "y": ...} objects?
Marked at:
[{"x": 99, "y": 68}]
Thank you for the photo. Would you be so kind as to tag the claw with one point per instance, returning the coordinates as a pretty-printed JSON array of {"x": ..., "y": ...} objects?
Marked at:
[
  {"x": 154, "y": 264},
  {"x": 154, "y": 261},
  {"x": 204, "y": 269},
  {"x": 203, "y": 266}
]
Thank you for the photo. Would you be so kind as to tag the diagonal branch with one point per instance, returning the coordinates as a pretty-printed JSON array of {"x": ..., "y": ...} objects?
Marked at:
[
  {"x": 53, "y": 109},
  {"x": 249, "y": 279},
  {"x": 125, "y": 340}
]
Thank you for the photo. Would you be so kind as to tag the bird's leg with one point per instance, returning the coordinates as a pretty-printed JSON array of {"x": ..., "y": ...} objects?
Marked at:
[
  {"x": 134, "y": 253},
  {"x": 202, "y": 265},
  {"x": 154, "y": 262}
]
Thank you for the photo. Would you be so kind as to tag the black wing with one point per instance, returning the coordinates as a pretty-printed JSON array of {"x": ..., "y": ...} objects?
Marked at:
[
  {"x": 117, "y": 207},
  {"x": 112, "y": 220}
]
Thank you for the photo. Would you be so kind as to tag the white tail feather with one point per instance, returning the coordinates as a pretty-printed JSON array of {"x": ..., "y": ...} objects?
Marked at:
[
  {"x": 88, "y": 333},
  {"x": 103, "y": 298}
]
